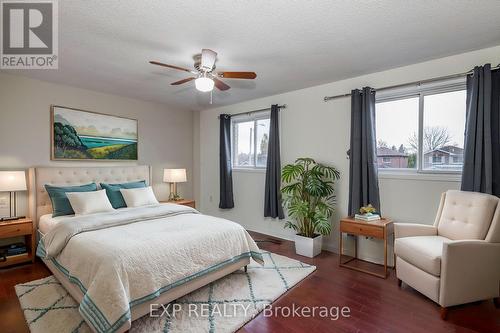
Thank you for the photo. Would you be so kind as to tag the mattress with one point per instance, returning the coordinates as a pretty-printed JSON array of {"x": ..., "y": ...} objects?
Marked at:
[{"x": 47, "y": 222}]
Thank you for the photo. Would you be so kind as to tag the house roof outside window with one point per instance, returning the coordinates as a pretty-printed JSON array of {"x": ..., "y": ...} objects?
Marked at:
[
  {"x": 388, "y": 152},
  {"x": 448, "y": 150}
]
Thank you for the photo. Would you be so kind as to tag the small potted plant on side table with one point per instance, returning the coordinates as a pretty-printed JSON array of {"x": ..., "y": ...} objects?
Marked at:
[{"x": 309, "y": 198}]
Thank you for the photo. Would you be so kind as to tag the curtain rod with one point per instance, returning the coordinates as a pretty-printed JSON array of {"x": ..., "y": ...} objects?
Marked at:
[
  {"x": 283, "y": 106},
  {"x": 414, "y": 83}
]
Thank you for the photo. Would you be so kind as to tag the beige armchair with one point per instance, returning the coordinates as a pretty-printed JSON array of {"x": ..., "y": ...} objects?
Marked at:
[{"x": 456, "y": 260}]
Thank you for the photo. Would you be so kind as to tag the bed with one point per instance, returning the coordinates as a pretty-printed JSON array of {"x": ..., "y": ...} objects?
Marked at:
[{"x": 118, "y": 264}]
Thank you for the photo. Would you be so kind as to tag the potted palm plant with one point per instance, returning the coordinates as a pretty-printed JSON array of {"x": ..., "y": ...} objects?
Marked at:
[{"x": 308, "y": 196}]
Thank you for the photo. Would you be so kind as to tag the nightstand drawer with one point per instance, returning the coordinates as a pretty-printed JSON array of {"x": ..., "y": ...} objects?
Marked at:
[
  {"x": 13, "y": 230},
  {"x": 363, "y": 230}
]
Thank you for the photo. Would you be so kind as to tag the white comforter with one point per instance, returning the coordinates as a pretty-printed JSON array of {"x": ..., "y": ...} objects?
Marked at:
[{"x": 122, "y": 259}]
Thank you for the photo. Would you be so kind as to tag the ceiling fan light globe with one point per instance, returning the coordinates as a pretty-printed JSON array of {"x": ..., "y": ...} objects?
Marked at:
[{"x": 204, "y": 84}]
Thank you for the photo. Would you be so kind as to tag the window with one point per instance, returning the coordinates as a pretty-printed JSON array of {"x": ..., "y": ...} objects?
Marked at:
[
  {"x": 395, "y": 120},
  {"x": 437, "y": 159},
  {"x": 443, "y": 131},
  {"x": 250, "y": 137},
  {"x": 423, "y": 129}
]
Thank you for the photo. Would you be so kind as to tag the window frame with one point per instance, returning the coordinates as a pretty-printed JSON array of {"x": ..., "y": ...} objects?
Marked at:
[
  {"x": 244, "y": 118},
  {"x": 421, "y": 92}
]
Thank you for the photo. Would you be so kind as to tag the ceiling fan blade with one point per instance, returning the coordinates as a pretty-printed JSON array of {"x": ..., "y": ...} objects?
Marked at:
[
  {"x": 220, "y": 85},
  {"x": 208, "y": 58},
  {"x": 238, "y": 75},
  {"x": 170, "y": 66},
  {"x": 176, "y": 83}
]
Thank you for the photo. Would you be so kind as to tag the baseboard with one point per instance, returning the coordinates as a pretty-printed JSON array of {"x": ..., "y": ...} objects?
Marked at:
[
  {"x": 329, "y": 247},
  {"x": 279, "y": 236},
  {"x": 291, "y": 239}
]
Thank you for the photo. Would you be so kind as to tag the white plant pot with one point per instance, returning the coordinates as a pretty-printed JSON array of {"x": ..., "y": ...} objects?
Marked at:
[{"x": 308, "y": 247}]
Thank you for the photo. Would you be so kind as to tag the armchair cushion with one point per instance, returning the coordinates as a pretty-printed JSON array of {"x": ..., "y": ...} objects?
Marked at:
[
  {"x": 413, "y": 229},
  {"x": 423, "y": 252},
  {"x": 466, "y": 215}
]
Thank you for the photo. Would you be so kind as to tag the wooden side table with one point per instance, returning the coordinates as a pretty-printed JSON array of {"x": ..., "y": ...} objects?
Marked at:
[
  {"x": 184, "y": 202},
  {"x": 380, "y": 229},
  {"x": 16, "y": 228}
]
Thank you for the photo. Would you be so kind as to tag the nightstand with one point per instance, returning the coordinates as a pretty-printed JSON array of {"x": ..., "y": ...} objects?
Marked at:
[
  {"x": 16, "y": 228},
  {"x": 184, "y": 202},
  {"x": 380, "y": 229}
]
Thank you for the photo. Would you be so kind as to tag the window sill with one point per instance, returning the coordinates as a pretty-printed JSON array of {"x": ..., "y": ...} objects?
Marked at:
[
  {"x": 250, "y": 170},
  {"x": 414, "y": 175}
]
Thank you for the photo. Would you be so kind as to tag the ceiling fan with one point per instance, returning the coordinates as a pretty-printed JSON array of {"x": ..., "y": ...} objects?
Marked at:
[{"x": 204, "y": 76}]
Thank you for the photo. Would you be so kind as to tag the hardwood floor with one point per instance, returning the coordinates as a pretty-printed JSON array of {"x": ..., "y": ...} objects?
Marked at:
[
  {"x": 11, "y": 316},
  {"x": 376, "y": 305}
]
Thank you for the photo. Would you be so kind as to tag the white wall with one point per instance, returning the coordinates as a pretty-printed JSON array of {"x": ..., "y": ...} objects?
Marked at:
[
  {"x": 165, "y": 135},
  {"x": 196, "y": 157},
  {"x": 310, "y": 127}
]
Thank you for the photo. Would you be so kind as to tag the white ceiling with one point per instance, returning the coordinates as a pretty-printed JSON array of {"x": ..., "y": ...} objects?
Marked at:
[{"x": 106, "y": 45}]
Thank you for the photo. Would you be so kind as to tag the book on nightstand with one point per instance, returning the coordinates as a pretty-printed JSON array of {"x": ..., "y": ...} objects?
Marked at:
[
  {"x": 13, "y": 249},
  {"x": 367, "y": 217}
]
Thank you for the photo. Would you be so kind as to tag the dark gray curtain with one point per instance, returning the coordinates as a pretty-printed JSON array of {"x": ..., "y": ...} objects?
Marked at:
[
  {"x": 363, "y": 173},
  {"x": 481, "y": 171},
  {"x": 226, "y": 171},
  {"x": 272, "y": 203}
]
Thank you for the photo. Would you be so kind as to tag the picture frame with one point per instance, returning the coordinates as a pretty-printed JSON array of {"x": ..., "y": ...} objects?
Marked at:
[{"x": 82, "y": 135}]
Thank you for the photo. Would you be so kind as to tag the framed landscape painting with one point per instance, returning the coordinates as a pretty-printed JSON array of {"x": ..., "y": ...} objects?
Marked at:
[{"x": 85, "y": 135}]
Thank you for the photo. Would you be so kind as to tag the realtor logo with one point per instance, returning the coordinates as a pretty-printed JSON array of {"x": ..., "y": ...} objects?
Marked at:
[{"x": 29, "y": 34}]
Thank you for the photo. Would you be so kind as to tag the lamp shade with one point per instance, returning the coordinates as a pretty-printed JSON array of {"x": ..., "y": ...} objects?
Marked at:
[
  {"x": 174, "y": 175},
  {"x": 11, "y": 181},
  {"x": 204, "y": 84}
]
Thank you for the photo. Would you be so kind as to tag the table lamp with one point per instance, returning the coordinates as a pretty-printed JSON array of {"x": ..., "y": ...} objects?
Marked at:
[
  {"x": 174, "y": 176},
  {"x": 12, "y": 182}
]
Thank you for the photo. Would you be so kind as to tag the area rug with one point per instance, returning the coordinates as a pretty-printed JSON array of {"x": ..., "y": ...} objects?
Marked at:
[{"x": 222, "y": 306}]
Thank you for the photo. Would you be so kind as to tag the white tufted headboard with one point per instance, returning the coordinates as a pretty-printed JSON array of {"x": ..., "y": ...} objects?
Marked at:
[{"x": 64, "y": 176}]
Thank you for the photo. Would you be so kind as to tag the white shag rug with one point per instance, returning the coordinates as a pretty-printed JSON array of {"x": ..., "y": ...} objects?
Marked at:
[{"x": 222, "y": 306}]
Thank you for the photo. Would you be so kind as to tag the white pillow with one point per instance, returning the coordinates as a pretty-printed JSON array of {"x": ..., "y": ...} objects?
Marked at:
[
  {"x": 84, "y": 203},
  {"x": 137, "y": 197}
]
